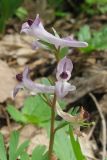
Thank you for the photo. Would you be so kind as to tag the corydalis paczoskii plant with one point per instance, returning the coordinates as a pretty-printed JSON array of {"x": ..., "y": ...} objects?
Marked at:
[
  {"x": 61, "y": 86},
  {"x": 36, "y": 29}
]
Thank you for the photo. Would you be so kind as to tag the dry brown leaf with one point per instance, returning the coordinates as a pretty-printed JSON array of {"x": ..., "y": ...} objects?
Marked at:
[
  {"x": 16, "y": 45},
  {"x": 37, "y": 136},
  {"x": 86, "y": 146},
  {"x": 7, "y": 81}
]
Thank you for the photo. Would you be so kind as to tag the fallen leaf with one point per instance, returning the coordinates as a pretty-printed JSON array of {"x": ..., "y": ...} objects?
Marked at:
[
  {"x": 37, "y": 136},
  {"x": 86, "y": 146},
  {"x": 7, "y": 81}
]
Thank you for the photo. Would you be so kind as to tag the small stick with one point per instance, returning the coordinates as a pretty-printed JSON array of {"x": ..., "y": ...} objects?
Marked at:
[
  {"x": 103, "y": 125},
  {"x": 7, "y": 119},
  {"x": 92, "y": 130}
]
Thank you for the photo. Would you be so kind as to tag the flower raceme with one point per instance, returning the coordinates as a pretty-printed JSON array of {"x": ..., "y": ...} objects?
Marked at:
[
  {"x": 61, "y": 88},
  {"x": 36, "y": 29}
]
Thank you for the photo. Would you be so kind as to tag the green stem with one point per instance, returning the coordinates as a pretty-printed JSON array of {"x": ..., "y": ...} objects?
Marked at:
[
  {"x": 57, "y": 54},
  {"x": 52, "y": 128}
]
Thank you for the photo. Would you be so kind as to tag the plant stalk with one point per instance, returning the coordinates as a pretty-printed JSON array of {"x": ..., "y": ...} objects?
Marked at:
[{"x": 52, "y": 128}]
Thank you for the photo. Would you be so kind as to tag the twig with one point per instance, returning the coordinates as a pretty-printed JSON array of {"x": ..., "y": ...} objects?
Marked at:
[
  {"x": 7, "y": 119},
  {"x": 92, "y": 130},
  {"x": 103, "y": 125}
]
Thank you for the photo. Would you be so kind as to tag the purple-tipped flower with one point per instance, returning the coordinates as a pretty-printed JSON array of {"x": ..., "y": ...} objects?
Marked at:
[
  {"x": 64, "y": 69},
  {"x": 63, "y": 74},
  {"x": 36, "y": 28},
  {"x": 29, "y": 85},
  {"x": 61, "y": 88}
]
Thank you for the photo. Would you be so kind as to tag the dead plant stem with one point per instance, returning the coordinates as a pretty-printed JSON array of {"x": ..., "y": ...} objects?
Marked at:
[{"x": 103, "y": 125}]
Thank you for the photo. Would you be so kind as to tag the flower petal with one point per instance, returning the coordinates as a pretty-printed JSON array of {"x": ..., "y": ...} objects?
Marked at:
[
  {"x": 25, "y": 73},
  {"x": 63, "y": 88},
  {"x": 36, "y": 87},
  {"x": 17, "y": 88},
  {"x": 25, "y": 28},
  {"x": 70, "y": 42},
  {"x": 64, "y": 69},
  {"x": 37, "y": 21},
  {"x": 66, "y": 116}
]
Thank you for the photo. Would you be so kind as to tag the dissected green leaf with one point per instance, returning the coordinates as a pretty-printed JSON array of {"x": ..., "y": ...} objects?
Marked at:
[
  {"x": 14, "y": 150},
  {"x": 84, "y": 33},
  {"x": 35, "y": 106},
  {"x": 97, "y": 40},
  {"x": 14, "y": 138},
  {"x": 22, "y": 148},
  {"x": 2, "y": 149},
  {"x": 15, "y": 114},
  {"x": 32, "y": 119},
  {"x": 100, "y": 39}
]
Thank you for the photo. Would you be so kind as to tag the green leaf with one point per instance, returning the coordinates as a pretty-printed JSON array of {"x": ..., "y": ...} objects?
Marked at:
[
  {"x": 14, "y": 150},
  {"x": 32, "y": 119},
  {"x": 49, "y": 45},
  {"x": 21, "y": 13},
  {"x": 21, "y": 148},
  {"x": 35, "y": 106},
  {"x": 14, "y": 138},
  {"x": 76, "y": 146},
  {"x": 45, "y": 81},
  {"x": 38, "y": 153},
  {"x": 84, "y": 33},
  {"x": 91, "y": 2},
  {"x": 15, "y": 114},
  {"x": 61, "y": 14},
  {"x": 74, "y": 110},
  {"x": 100, "y": 39},
  {"x": 2, "y": 149},
  {"x": 97, "y": 40},
  {"x": 24, "y": 156},
  {"x": 62, "y": 146},
  {"x": 65, "y": 148},
  {"x": 63, "y": 52}
]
